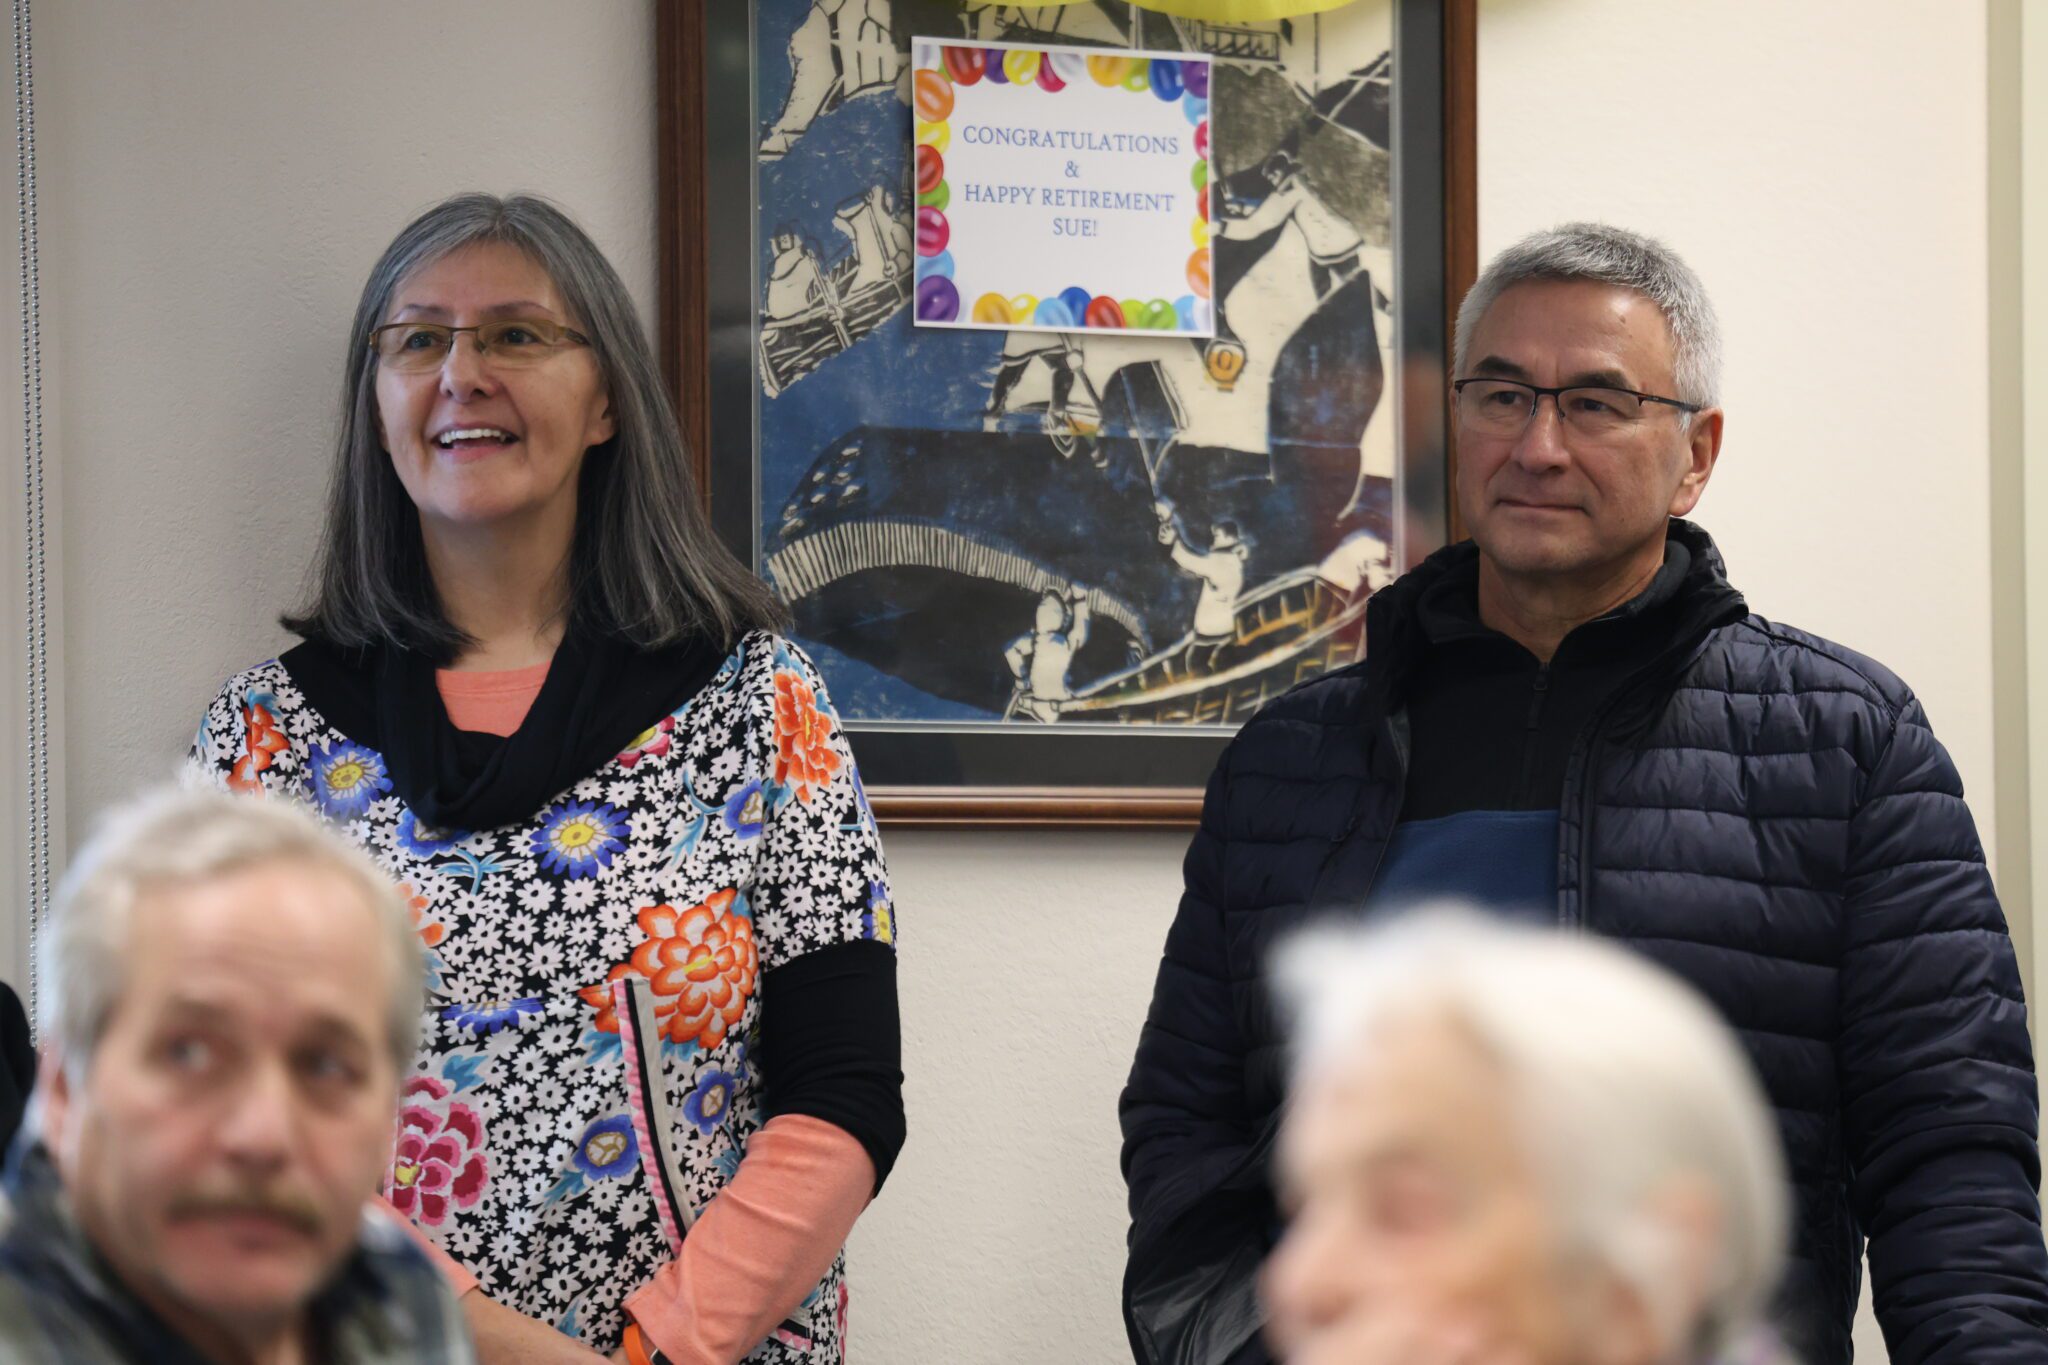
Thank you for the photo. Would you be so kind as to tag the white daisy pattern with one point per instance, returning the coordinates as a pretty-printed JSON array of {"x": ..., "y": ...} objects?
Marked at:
[{"x": 700, "y": 865}]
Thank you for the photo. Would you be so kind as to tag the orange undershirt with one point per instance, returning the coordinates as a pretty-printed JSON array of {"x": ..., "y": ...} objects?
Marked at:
[
  {"x": 770, "y": 1235},
  {"x": 491, "y": 703}
]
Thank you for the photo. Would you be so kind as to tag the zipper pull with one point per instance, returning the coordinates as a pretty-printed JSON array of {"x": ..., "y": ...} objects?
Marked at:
[{"x": 1538, "y": 687}]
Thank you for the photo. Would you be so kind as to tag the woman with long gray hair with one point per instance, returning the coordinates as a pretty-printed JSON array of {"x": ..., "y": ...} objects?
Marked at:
[{"x": 661, "y": 1071}]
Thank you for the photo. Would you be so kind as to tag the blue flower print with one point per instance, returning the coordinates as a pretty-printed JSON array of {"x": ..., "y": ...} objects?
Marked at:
[
  {"x": 607, "y": 1150},
  {"x": 860, "y": 798},
  {"x": 425, "y": 841},
  {"x": 879, "y": 923},
  {"x": 707, "y": 1104},
  {"x": 487, "y": 1018},
  {"x": 347, "y": 778},
  {"x": 579, "y": 838},
  {"x": 746, "y": 811}
]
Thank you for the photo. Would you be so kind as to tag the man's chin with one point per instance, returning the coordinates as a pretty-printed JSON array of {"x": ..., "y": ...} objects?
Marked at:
[
  {"x": 1523, "y": 552},
  {"x": 236, "y": 1274},
  {"x": 268, "y": 1299}
]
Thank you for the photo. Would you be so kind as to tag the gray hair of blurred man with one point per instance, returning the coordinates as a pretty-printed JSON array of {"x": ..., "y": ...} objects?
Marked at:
[
  {"x": 1610, "y": 255},
  {"x": 1623, "y": 1078},
  {"x": 177, "y": 837}
]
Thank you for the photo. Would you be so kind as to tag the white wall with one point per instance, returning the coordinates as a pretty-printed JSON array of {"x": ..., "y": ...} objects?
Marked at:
[
  {"x": 2018, "y": 870},
  {"x": 1823, "y": 167},
  {"x": 2033, "y": 382},
  {"x": 218, "y": 177}
]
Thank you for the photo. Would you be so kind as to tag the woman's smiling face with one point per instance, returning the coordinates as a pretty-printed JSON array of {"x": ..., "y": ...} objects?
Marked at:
[{"x": 475, "y": 444}]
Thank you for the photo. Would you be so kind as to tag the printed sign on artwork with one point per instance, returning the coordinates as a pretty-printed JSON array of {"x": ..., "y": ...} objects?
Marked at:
[{"x": 1062, "y": 189}]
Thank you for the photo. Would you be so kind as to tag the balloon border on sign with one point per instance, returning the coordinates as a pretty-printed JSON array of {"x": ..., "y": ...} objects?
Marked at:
[{"x": 945, "y": 66}]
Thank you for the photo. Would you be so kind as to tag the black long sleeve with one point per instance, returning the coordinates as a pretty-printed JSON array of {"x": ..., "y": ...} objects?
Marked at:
[{"x": 832, "y": 1044}]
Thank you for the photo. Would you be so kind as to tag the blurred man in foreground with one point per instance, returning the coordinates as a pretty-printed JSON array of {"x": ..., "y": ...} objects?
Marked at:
[
  {"x": 1511, "y": 1147},
  {"x": 231, "y": 995}
]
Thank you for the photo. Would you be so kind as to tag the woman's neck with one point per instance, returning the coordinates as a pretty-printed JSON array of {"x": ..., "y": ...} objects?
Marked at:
[{"x": 508, "y": 594}]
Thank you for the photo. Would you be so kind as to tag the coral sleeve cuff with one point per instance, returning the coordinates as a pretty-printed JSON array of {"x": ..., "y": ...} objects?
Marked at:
[{"x": 760, "y": 1246}]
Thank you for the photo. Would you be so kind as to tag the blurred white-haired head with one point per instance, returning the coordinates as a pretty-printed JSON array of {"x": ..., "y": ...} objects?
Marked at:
[{"x": 1540, "y": 1138}]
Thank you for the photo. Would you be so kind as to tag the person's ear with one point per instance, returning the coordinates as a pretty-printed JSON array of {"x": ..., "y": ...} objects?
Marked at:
[
  {"x": 1671, "y": 1248},
  {"x": 52, "y": 1105},
  {"x": 1702, "y": 450},
  {"x": 1691, "y": 1214},
  {"x": 1617, "y": 1327}
]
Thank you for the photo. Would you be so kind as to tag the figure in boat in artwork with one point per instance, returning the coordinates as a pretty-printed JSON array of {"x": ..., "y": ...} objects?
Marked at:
[
  {"x": 1221, "y": 570},
  {"x": 1041, "y": 660},
  {"x": 1334, "y": 244}
]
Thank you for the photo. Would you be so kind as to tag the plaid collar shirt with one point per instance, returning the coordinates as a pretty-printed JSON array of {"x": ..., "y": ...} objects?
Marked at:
[{"x": 60, "y": 1304}]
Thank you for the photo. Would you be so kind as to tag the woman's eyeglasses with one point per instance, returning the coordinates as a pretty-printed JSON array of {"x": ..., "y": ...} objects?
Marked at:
[{"x": 414, "y": 346}]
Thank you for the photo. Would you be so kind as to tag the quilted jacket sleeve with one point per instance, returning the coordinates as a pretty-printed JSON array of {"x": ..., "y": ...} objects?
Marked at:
[
  {"x": 1939, "y": 1103},
  {"x": 1183, "y": 1111},
  {"x": 1195, "y": 1158}
]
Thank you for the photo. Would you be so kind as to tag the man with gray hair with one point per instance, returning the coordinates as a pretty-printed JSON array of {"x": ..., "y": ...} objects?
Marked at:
[
  {"x": 1575, "y": 718},
  {"x": 1508, "y": 1145},
  {"x": 232, "y": 994}
]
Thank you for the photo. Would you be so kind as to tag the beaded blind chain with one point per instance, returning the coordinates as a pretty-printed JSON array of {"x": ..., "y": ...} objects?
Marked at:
[{"x": 36, "y": 655}]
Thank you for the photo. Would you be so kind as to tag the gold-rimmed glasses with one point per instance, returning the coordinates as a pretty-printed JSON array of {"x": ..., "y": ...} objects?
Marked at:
[{"x": 417, "y": 346}]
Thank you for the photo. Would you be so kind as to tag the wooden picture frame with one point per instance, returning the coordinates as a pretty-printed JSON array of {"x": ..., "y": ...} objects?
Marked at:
[{"x": 708, "y": 310}]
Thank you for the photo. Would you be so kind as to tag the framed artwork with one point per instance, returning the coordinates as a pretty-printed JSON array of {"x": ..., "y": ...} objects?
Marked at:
[{"x": 1046, "y": 573}]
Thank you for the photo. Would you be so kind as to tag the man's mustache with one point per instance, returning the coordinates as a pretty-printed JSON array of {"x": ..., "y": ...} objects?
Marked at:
[{"x": 285, "y": 1206}]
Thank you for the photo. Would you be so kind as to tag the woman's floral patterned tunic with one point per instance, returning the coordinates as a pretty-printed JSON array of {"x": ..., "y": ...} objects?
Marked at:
[{"x": 730, "y": 838}]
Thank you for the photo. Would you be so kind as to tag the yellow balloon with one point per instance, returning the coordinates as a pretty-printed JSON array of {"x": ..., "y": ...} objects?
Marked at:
[
  {"x": 1021, "y": 66},
  {"x": 1200, "y": 232},
  {"x": 1139, "y": 76},
  {"x": 937, "y": 136},
  {"x": 993, "y": 308},
  {"x": 1022, "y": 307},
  {"x": 1109, "y": 70}
]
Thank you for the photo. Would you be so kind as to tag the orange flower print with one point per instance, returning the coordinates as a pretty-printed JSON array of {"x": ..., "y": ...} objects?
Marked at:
[
  {"x": 803, "y": 738},
  {"x": 266, "y": 740},
  {"x": 701, "y": 964},
  {"x": 431, "y": 931}
]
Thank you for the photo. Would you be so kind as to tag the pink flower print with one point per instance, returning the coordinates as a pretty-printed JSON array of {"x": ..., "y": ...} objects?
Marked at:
[
  {"x": 439, "y": 1157},
  {"x": 653, "y": 742}
]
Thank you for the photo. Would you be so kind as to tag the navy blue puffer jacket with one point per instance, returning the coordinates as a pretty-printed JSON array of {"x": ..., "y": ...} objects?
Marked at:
[{"x": 1765, "y": 813}]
